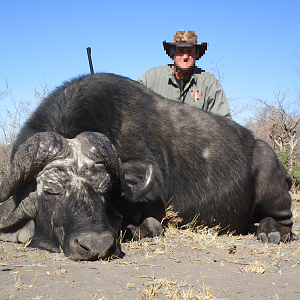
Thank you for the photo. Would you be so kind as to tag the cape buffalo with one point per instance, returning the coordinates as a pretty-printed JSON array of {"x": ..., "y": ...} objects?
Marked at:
[{"x": 103, "y": 153}]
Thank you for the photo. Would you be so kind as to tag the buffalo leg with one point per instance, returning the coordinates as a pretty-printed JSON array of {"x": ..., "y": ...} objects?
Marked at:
[
  {"x": 272, "y": 205},
  {"x": 149, "y": 228}
]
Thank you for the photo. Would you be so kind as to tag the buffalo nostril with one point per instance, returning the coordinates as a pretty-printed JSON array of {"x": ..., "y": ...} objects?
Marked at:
[
  {"x": 84, "y": 246},
  {"x": 91, "y": 245}
]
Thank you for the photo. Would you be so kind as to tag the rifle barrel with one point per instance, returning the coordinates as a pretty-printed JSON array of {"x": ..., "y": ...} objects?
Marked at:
[{"x": 89, "y": 50}]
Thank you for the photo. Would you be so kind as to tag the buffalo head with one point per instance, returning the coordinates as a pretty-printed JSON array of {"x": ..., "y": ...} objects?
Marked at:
[{"x": 62, "y": 191}]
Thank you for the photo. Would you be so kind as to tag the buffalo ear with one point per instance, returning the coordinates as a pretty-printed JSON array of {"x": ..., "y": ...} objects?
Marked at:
[
  {"x": 6, "y": 208},
  {"x": 19, "y": 225},
  {"x": 137, "y": 192},
  {"x": 21, "y": 235}
]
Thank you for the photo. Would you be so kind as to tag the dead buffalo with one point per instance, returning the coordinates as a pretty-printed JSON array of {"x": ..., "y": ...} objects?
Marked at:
[{"x": 75, "y": 188}]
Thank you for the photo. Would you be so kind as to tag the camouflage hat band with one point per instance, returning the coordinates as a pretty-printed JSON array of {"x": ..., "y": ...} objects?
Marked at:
[
  {"x": 185, "y": 36},
  {"x": 185, "y": 39}
]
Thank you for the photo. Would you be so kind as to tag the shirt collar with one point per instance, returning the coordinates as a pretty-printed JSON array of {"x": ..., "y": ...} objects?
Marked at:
[{"x": 171, "y": 78}]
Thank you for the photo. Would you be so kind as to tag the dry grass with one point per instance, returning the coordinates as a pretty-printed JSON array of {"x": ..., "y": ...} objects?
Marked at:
[
  {"x": 203, "y": 238},
  {"x": 163, "y": 288},
  {"x": 147, "y": 260},
  {"x": 171, "y": 217},
  {"x": 295, "y": 206},
  {"x": 199, "y": 237},
  {"x": 255, "y": 267},
  {"x": 194, "y": 233},
  {"x": 246, "y": 252}
]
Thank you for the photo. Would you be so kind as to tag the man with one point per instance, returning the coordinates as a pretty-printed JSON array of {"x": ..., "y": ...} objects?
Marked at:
[{"x": 183, "y": 81}]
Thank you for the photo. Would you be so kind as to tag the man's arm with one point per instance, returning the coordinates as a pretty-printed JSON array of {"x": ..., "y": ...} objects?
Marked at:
[
  {"x": 152, "y": 79},
  {"x": 217, "y": 102},
  {"x": 148, "y": 78},
  {"x": 142, "y": 79}
]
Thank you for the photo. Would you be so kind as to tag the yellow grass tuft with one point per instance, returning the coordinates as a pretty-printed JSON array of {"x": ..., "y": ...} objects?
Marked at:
[
  {"x": 255, "y": 267},
  {"x": 18, "y": 284},
  {"x": 164, "y": 288},
  {"x": 171, "y": 217}
]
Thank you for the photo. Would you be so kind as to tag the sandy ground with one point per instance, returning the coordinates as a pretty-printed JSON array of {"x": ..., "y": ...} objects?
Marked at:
[{"x": 182, "y": 264}]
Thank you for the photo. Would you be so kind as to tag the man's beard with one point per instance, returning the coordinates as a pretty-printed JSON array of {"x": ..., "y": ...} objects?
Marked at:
[{"x": 184, "y": 72}]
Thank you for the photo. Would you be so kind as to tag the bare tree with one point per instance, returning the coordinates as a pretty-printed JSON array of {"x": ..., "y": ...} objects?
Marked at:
[
  {"x": 41, "y": 92},
  {"x": 10, "y": 123},
  {"x": 278, "y": 123},
  {"x": 11, "y": 120},
  {"x": 216, "y": 70},
  {"x": 234, "y": 103},
  {"x": 5, "y": 91},
  {"x": 296, "y": 68}
]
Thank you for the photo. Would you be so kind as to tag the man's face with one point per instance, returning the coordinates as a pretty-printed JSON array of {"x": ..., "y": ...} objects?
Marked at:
[{"x": 185, "y": 57}]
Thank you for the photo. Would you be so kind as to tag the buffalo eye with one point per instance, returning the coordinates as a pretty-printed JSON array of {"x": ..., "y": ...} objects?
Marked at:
[
  {"x": 105, "y": 185},
  {"x": 100, "y": 179},
  {"x": 51, "y": 188}
]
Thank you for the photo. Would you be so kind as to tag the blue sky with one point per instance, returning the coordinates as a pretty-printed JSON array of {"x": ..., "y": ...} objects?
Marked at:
[{"x": 45, "y": 41}]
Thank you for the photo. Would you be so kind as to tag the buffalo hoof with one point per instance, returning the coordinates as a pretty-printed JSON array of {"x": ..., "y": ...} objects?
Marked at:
[
  {"x": 154, "y": 226},
  {"x": 272, "y": 237},
  {"x": 149, "y": 228},
  {"x": 272, "y": 231},
  {"x": 275, "y": 238}
]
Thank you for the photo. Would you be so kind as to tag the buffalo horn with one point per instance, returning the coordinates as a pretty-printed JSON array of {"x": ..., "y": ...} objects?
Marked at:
[
  {"x": 30, "y": 159},
  {"x": 99, "y": 148},
  {"x": 138, "y": 191}
]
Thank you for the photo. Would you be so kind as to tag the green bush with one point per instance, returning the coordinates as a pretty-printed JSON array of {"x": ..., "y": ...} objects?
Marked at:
[{"x": 293, "y": 167}]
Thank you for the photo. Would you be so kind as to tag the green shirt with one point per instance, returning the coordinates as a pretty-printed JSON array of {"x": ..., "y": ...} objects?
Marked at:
[{"x": 202, "y": 90}]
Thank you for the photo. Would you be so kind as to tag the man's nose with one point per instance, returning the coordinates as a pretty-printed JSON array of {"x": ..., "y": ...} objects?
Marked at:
[{"x": 185, "y": 57}]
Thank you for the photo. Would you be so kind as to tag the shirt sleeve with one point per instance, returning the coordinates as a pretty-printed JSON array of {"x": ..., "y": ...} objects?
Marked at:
[
  {"x": 152, "y": 80},
  {"x": 142, "y": 79},
  {"x": 217, "y": 102},
  {"x": 147, "y": 78}
]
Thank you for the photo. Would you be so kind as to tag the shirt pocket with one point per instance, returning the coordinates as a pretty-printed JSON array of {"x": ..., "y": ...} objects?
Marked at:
[{"x": 195, "y": 98}]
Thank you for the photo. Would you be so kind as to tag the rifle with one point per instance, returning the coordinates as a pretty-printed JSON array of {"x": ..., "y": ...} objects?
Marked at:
[{"x": 89, "y": 50}]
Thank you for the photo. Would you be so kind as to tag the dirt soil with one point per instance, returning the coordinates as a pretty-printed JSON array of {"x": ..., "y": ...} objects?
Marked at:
[{"x": 182, "y": 264}]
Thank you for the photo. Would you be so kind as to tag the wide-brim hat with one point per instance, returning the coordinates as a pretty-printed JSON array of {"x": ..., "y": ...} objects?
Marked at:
[{"x": 185, "y": 39}]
